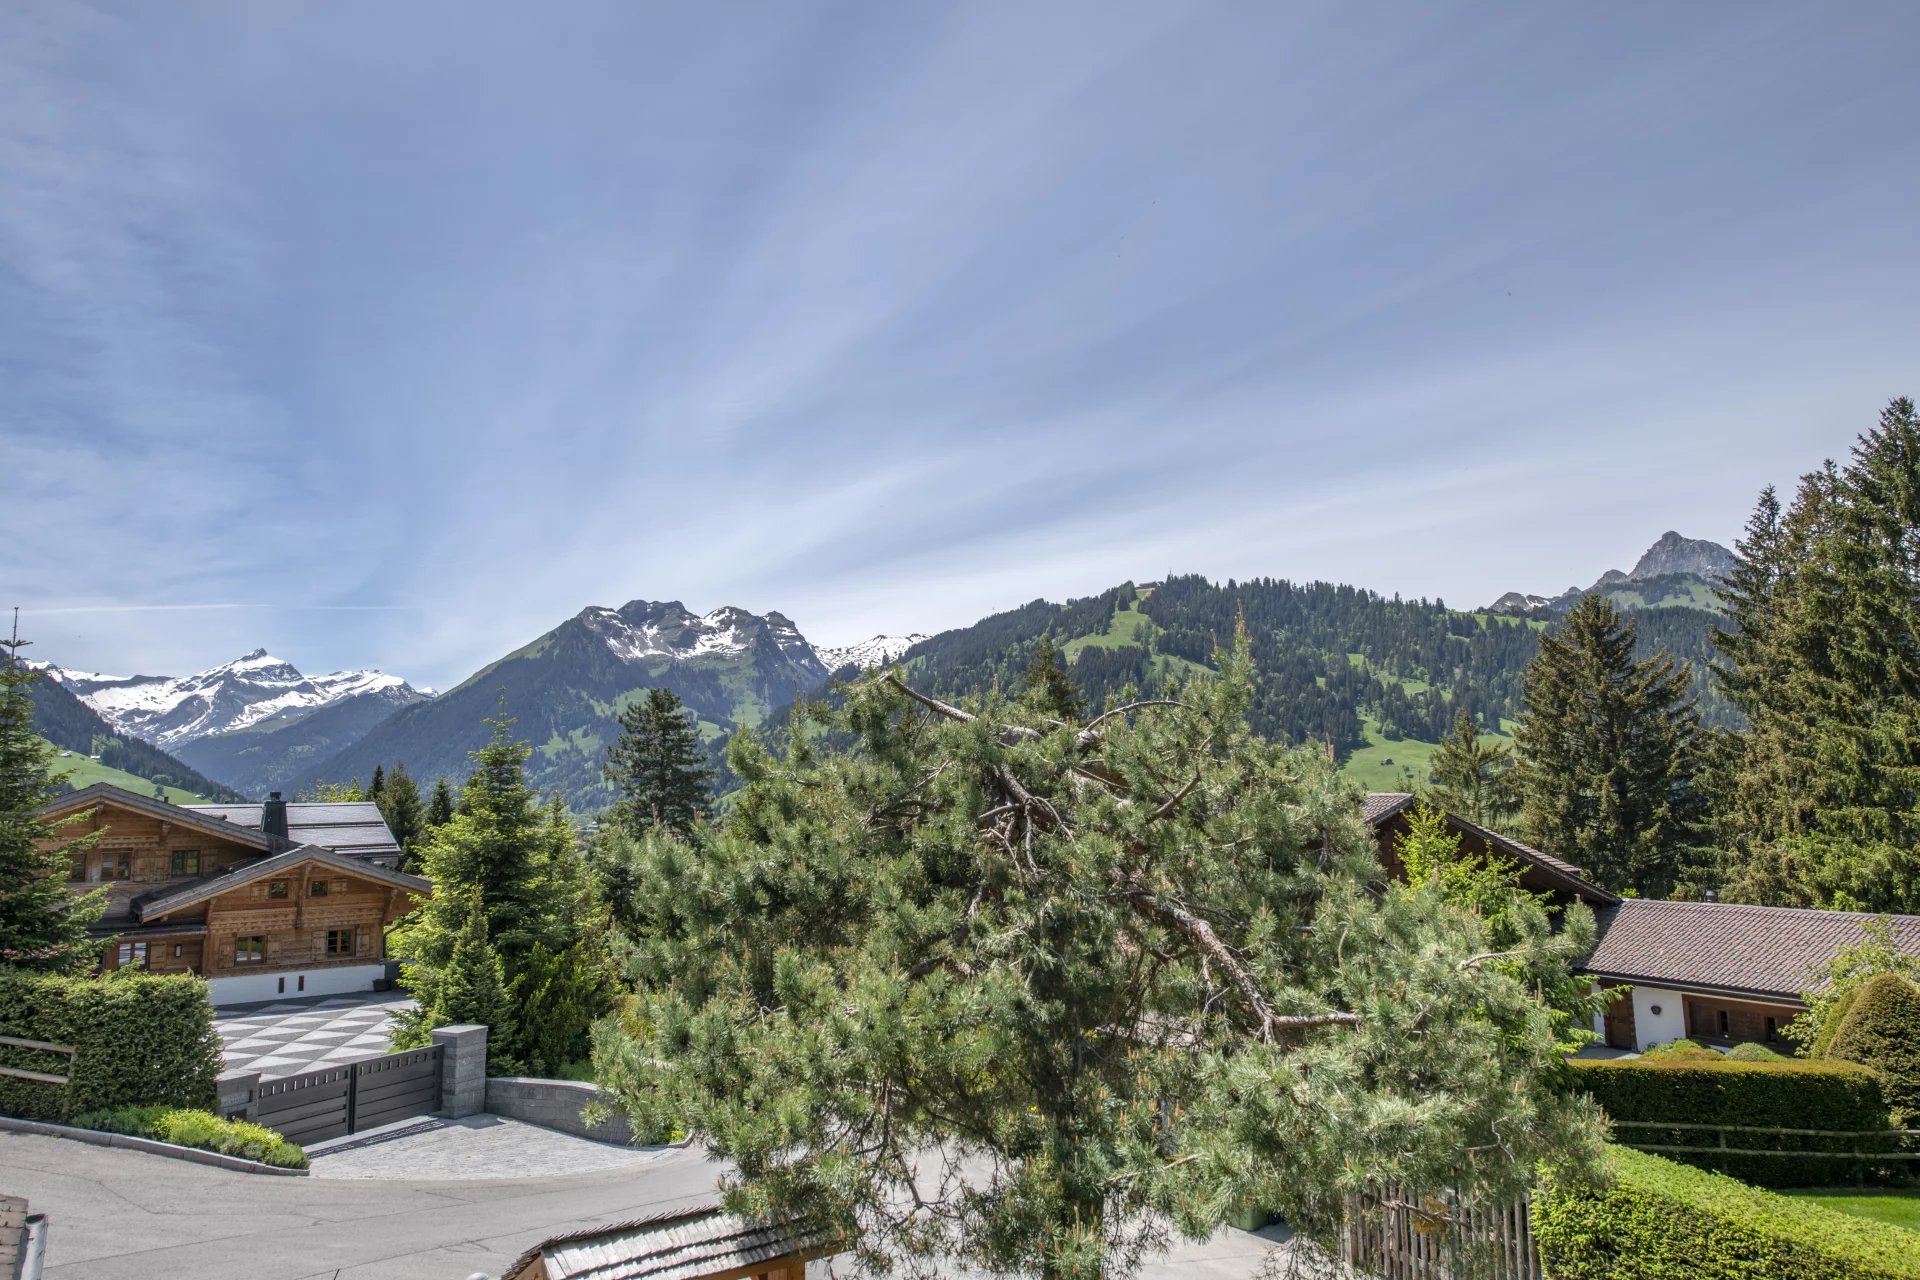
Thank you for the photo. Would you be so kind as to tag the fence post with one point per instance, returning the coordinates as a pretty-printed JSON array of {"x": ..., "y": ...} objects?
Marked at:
[
  {"x": 239, "y": 1093},
  {"x": 463, "y": 1070}
]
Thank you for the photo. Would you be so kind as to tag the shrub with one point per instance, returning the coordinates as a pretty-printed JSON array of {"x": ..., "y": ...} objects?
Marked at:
[
  {"x": 1658, "y": 1220},
  {"x": 1754, "y": 1051},
  {"x": 1882, "y": 1031},
  {"x": 1823, "y": 1040},
  {"x": 1783, "y": 1095},
  {"x": 1681, "y": 1051},
  {"x": 199, "y": 1129},
  {"x": 139, "y": 1037}
]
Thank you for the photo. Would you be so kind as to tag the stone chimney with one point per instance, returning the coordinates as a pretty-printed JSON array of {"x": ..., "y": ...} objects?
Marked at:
[{"x": 273, "y": 816}]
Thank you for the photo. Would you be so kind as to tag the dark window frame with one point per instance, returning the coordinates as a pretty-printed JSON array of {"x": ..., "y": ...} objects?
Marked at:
[
  {"x": 250, "y": 948},
  {"x": 318, "y": 888},
  {"x": 340, "y": 941},
  {"x": 278, "y": 889},
  {"x": 186, "y": 862}
]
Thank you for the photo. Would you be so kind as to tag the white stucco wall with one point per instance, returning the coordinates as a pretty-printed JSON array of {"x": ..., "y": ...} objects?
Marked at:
[
  {"x": 1651, "y": 1028},
  {"x": 255, "y": 987}
]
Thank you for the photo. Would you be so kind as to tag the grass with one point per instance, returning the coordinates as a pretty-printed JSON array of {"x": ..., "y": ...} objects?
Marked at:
[
  {"x": 1127, "y": 627},
  {"x": 1381, "y": 765},
  {"x": 1895, "y": 1208},
  {"x": 84, "y": 772}
]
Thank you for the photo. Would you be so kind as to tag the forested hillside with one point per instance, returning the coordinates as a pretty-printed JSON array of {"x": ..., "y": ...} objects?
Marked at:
[{"x": 68, "y": 723}]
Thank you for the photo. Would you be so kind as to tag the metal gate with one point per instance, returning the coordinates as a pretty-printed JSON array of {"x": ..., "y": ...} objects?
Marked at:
[{"x": 351, "y": 1097}]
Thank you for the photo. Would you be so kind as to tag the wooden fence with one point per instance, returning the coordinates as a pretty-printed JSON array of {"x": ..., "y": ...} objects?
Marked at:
[
  {"x": 1396, "y": 1237},
  {"x": 1722, "y": 1149},
  {"x": 41, "y": 1046}
]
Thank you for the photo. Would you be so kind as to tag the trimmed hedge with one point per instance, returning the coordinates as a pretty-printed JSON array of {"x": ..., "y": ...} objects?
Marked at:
[
  {"x": 1882, "y": 1030},
  {"x": 1783, "y": 1095},
  {"x": 1754, "y": 1051},
  {"x": 199, "y": 1129},
  {"x": 1658, "y": 1220},
  {"x": 140, "y": 1037}
]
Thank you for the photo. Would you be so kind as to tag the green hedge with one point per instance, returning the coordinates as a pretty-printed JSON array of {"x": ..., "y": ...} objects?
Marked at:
[
  {"x": 140, "y": 1037},
  {"x": 199, "y": 1129},
  {"x": 1658, "y": 1220},
  {"x": 1882, "y": 1030},
  {"x": 1784, "y": 1095}
]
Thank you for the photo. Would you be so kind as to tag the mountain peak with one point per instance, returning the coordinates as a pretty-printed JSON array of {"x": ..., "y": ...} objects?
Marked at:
[
  {"x": 1676, "y": 554},
  {"x": 1672, "y": 556}
]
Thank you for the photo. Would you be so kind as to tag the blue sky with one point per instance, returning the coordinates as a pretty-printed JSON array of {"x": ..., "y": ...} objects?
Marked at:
[{"x": 390, "y": 335}]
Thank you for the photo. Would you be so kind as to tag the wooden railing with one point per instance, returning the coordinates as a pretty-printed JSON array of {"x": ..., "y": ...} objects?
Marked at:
[
  {"x": 1434, "y": 1238},
  {"x": 1724, "y": 1150},
  {"x": 41, "y": 1077}
]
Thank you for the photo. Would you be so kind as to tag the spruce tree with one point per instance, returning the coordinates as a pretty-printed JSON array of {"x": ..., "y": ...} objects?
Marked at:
[
  {"x": 1125, "y": 974},
  {"x": 43, "y": 926},
  {"x": 440, "y": 805},
  {"x": 1048, "y": 686},
  {"x": 379, "y": 781},
  {"x": 1821, "y": 658},
  {"x": 1607, "y": 748},
  {"x": 658, "y": 765},
  {"x": 472, "y": 988},
  {"x": 1472, "y": 780},
  {"x": 399, "y": 801}
]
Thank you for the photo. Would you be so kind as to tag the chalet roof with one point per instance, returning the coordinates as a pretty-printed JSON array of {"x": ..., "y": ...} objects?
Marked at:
[
  {"x": 173, "y": 897},
  {"x": 682, "y": 1245},
  {"x": 184, "y": 815},
  {"x": 1725, "y": 946},
  {"x": 353, "y": 827},
  {"x": 1378, "y": 806}
]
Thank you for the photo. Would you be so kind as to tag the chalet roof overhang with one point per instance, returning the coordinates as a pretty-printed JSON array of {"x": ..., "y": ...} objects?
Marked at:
[
  {"x": 105, "y": 794},
  {"x": 1382, "y": 807},
  {"x": 219, "y": 882},
  {"x": 1688, "y": 986},
  {"x": 702, "y": 1242}
]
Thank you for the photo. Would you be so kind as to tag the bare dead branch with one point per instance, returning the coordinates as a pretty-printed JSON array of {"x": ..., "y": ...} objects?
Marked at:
[
  {"x": 1472, "y": 962},
  {"x": 1122, "y": 710},
  {"x": 1174, "y": 799}
]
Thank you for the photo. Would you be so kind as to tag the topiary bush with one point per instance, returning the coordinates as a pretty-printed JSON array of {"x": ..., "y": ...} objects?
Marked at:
[
  {"x": 140, "y": 1038},
  {"x": 1882, "y": 1030},
  {"x": 1823, "y": 1041},
  {"x": 198, "y": 1129},
  {"x": 1754, "y": 1051},
  {"x": 1658, "y": 1220},
  {"x": 1681, "y": 1051},
  {"x": 1783, "y": 1095}
]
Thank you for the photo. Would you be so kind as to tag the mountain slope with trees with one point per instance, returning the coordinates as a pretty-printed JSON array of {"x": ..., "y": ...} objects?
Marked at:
[{"x": 70, "y": 724}]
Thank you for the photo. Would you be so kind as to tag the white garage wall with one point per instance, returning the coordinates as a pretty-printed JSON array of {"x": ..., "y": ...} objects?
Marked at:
[
  {"x": 255, "y": 987},
  {"x": 1651, "y": 1028}
]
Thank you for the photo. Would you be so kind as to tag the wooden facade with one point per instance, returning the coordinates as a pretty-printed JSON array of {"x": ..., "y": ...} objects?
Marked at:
[{"x": 192, "y": 894}]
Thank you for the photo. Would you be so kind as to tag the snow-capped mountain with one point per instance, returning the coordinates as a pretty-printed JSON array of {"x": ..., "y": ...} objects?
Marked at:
[
  {"x": 642, "y": 630},
  {"x": 876, "y": 652},
  {"x": 170, "y": 711}
]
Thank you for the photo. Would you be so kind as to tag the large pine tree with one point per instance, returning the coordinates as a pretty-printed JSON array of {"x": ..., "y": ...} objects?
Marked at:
[
  {"x": 399, "y": 801},
  {"x": 43, "y": 926},
  {"x": 1608, "y": 755},
  {"x": 658, "y": 765},
  {"x": 1472, "y": 779},
  {"x": 1823, "y": 658}
]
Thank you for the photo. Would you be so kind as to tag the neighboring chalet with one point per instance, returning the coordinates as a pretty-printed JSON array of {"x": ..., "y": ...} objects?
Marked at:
[
  {"x": 703, "y": 1243},
  {"x": 1716, "y": 972},
  {"x": 263, "y": 900}
]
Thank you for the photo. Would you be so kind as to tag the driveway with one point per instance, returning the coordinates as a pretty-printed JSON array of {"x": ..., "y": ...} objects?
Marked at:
[
  {"x": 290, "y": 1036},
  {"x": 127, "y": 1215}
]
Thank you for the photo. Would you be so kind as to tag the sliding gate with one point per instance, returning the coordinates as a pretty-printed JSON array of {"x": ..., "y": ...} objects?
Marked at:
[{"x": 351, "y": 1097}]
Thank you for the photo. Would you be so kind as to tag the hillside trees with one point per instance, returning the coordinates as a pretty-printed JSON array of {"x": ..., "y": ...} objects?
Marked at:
[
  {"x": 1083, "y": 981},
  {"x": 1476, "y": 781},
  {"x": 398, "y": 797},
  {"x": 514, "y": 863},
  {"x": 1608, "y": 755},
  {"x": 1823, "y": 658},
  {"x": 659, "y": 766},
  {"x": 43, "y": 926},
  {"x": 440, "y": 805}
]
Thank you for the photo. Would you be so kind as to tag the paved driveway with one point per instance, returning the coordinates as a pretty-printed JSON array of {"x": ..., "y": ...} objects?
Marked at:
[{"x": 290, "y": 1036}]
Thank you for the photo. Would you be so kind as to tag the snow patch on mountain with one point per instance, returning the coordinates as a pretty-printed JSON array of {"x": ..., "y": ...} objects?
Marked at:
[
  {"x": 878, "y": 651},
  {"x": 170, "y": 710}
]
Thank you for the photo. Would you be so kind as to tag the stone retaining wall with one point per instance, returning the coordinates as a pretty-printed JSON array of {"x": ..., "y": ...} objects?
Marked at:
[{"x": 554, "y": 1104}]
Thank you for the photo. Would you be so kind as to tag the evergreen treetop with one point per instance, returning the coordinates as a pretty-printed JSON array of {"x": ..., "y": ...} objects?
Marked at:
[
  {"x": 658, "y": 765},
  {"x": 1473, "y": 780}
]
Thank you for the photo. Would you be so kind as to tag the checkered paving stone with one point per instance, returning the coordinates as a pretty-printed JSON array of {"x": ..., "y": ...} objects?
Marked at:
[{"x": 288, "y": 1037}]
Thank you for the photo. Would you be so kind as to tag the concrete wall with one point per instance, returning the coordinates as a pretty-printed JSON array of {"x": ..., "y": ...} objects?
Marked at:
[
  {"x": 554, "y": 1104},
  {"x": 1651, "y": 1028},
  {"x": 255, "y": 987}
]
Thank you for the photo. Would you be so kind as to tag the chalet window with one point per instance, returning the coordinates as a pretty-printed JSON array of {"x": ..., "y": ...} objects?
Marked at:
[
  {"x": 179, "y": 949},
  {"x": 133, "y": 955},
  {"x": 1725, "y": 1033},
  {"x": 276, "y": 888},
  {"x": 1773, "y": 1031},
  {"x": 249, "y": 949},
  {"x": 116, "y": 866},
  {"x": 77, "y": 867},
  {"x": 317, "y": 889},
  {"x": 339, "y": 942},
  {"x": 186, "y": 862}
]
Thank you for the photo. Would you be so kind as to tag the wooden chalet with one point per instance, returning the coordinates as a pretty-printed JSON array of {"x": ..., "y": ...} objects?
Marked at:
[
  {"x": 257, "y": 909},
  {"x": 701, "y": 1243}
]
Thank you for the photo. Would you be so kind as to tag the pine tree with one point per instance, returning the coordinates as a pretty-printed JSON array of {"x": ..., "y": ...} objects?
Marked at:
[
  {"x": 1607, "y": 749},
  {"x": 658, "y": 766},
  {"x": 1048, "y": 686},
  {"x": 1471, "y": 780},
  {"x": 440, "y": 806},
  {"x": 1130, "y": 972},
  {"x": 399, "y": 801},
  {"x": 379, "y": 781},
  {"x": 472, "y": 989},
  {"x": 43, "y": 927},
  {"x": 1822, "y": 661}
]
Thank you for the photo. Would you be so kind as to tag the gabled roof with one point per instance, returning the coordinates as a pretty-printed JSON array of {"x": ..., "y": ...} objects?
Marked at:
[
  {"x": 174, "y": 897},
  {"x": 349, "y": 826},
  {"x": 1725, "y": 946},
  {"x": 105, "y": 793},
  {"x": 682, "y": 1245},
  {"x": 1379, "y": 806}
]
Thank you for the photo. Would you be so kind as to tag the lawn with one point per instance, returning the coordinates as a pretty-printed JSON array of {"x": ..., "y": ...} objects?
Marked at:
[
  {"x": 1381, "y": 765},
  {"x": 1896, "y": 1208},
  {"x": 1127, "y": 627},
  {"x": 84, "y": 772}
]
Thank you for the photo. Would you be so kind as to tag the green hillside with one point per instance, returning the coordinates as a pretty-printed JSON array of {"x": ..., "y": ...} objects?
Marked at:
[{"x": 80, "y": 771}]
